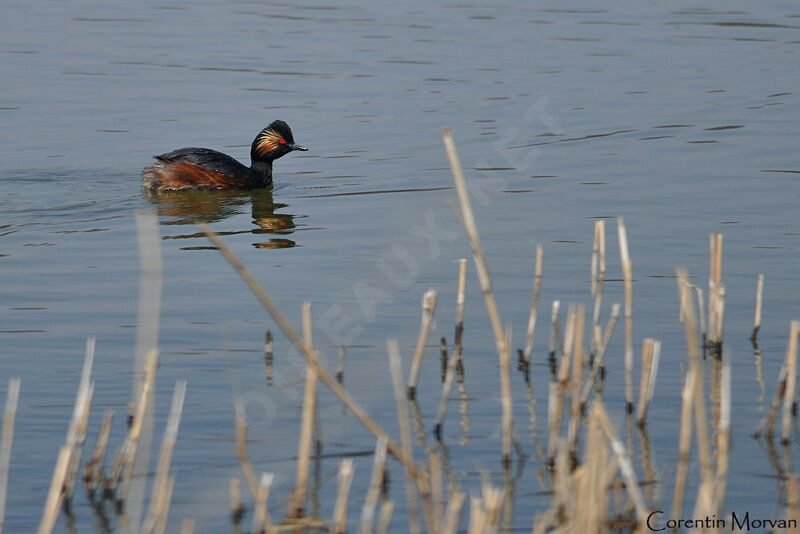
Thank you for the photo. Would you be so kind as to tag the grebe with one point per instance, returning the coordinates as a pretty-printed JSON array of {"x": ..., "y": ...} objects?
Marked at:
[{"x": 202, "y": 168}]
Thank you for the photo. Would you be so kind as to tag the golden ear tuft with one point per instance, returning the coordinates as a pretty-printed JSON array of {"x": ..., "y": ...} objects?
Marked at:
[{"x": 268, "y": 141}]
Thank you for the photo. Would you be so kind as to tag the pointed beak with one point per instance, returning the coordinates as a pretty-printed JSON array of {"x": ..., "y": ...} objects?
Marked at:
[{"x": 298, "y": 147}]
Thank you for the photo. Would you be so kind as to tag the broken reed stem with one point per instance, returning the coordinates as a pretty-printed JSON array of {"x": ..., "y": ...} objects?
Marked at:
[
  {"x": 93, "y": 471},
  {"x": 9, "y": 417},
  {"x": 612, "y": 322},
  {"x": 625, "y": 467},
  {"x": 76, "y": 434},
  {"x": 297, "y": 505},
  {"x": 395, "y": 366},
  {"x": 689, "y": 387},
  {"x": 627, "y": 272},
  {"x": 723, "y": 433},
  {"x": 452, "y": 514},
  {"x": 262, "y": 522},
  {"x": 651, "y": 352},
  {"x": 467, "y": 220},
  {"x": 537, "y": 287},
  {"x": 69, "y": 454},
  {"x": 385, "y": 518},
  {"x": 598, "y": 277},
  {"x": 791, "y": 382},
  {"x": 374, "y": 490},
  {"x": 428, "y": 308},
  {"x": 597, "y": 363},
  {"x": 123, "y": 469},
  {"x": 449, "y": 378},
  {"x": 759, "y": 301},
  {"x": 577, "y": 380},
  {"x": 768, "y": 421},
  {"x": 443, "y": 352},
  {"x": 159, "y": 503},
  {"x": 459, "y": 333},
  {"x": 555, "y": 335},
  {"x": 507, "y": 421},
  {"x": 346, "y": 470},
  {"x": 716, "y": 295},
  {"x": 437, "y": 498},
  {"x": 558, "y": 387},
  {"x": 309, "y": 356}
]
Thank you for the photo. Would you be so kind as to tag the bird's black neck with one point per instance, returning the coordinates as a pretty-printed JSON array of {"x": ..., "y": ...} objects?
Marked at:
[{"x": 262, "y": 171}]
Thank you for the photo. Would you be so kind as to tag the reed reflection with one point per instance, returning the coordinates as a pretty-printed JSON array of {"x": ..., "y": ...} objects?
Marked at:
[{"x": 187, "y": 207}]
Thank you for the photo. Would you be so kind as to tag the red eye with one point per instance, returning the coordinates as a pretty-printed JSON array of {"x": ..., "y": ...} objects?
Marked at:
[{"x": 283, "y": 141}]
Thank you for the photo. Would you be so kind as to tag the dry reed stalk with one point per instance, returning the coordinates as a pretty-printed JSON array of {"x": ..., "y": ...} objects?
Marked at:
[
  {"x": 443, "y": 353},
  {"x": 768, "y": 421},
  {"x": 69, "y": 455},
  {"x": 122, "y": 470},
  {"x": 76, "y": 434},
  {"x": 477, "y": 517},
  {"x": 346, "y": 470},
  {"x": 93, "y": 471},
  {"x": 553, "y": 419},
  {"x": 467, "y": 220},
  {"x": 590, "y": 481},
  {"x": 598, "y": 277},
  {"x": 53, "y": 502},
  {"x": 309, "y": 356},
  {"x": 161, "y": 525},
  {"x": 791, "y": 382},
  {"x": 187, "y": 526},
  {"x": 159, "y": 502},
  {"x": 723, "y": 433},
  {"x": 577, "y": 381},
  {"x": 237, "y": 507},
  {"x": 459, "y": 332},
  {"x": 437, "y": 497},
  {"x": 297, "y": 503},
  {"x": 537, "y": 288},
  {"x": 340, "y": 364},
  {"x": 241, "y": 448},
  {"x": 689, "y": 390},
  {"x": 446, "y": 388},
  {"x": 651, "y": 353},
  {"x": 507, "y": 422},
  {"x": 428, "y": 308},
  {"x": 493, "y": 499},
  {"x": 262, "y": 522},
  {"x": 625, "y": 466},
  {"x": 395, "y": 366},
  {"x": 452, "y": 514},
  {"x": 716, "y": 295},
  {"x": 268, "y": 355},
  {"x": 759, "y": 302},
  {"x": 385, "y": 518},
  {"x": 147, "y": 321},
  {"x": 374, "y": 490},
  {"x": 555, "y": 334},
  {"x": 597, "y": 363},
  {"x": 627, "y": 272},
  {"x": 9, "y": 416}
]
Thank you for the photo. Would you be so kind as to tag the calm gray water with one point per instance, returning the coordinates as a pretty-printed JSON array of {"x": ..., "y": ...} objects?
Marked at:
[{"x": 681, "y": 119}]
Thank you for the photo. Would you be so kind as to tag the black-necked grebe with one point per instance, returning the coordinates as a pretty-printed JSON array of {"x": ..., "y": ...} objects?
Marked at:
[{"x": 203, "y": 168}]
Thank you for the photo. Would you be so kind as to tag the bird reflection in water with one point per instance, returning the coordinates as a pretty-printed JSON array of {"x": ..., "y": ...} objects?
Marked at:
[{"x": 188, "y": 207}]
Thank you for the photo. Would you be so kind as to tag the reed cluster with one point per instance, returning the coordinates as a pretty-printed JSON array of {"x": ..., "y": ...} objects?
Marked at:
[{"x": 592, "y": 481}]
